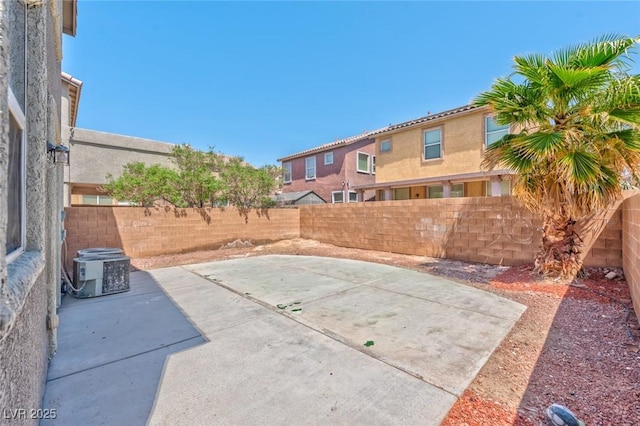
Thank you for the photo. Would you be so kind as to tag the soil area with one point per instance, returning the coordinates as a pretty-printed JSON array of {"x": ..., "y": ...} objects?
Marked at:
[{"x": 577, "y": 344}]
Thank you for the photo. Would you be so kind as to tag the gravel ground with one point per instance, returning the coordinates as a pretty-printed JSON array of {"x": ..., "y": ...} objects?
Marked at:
[{"x": 577, "y": 344}]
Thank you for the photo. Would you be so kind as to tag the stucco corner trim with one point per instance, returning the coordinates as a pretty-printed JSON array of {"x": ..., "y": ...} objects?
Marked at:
[{"x": 22, "y": 274}]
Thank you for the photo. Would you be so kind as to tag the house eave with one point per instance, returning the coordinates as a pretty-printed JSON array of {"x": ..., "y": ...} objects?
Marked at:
[
  {"x": 456, "y": 178},
  {"x": 432, "y": 119},
  {"x": 332, "y": 145},
  {"x": 69, "y": 17},
  {"x": 74, "y": 88}
]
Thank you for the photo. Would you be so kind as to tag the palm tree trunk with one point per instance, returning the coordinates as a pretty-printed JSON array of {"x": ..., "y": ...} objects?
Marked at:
[{"x": 561, "y": 248}]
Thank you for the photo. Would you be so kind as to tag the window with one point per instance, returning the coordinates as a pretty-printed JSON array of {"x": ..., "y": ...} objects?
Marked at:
[
  {"x": 337, "y": 197},
  {"x": 401, "y": 194},
  {"x": 286, "y": 178},
  {"x": 373, "y": 164},
  {"x": 493, "y": 132},
  {"x": 16, "y": 174},
  {"x": 385, "y": 146},
  {"x": 435, "y": 191},
  {"x": 457, "y": 190},
  {"x": 353, "y": 197},
  {"x": 362, "y": 165},
  {"x": 310, "y": 166},
  {"x": 505, "y": 188},
  {"x": 97, "y": 200},
  {"x": 328, "y": 158},
  {"x": 432, "y": 144}
]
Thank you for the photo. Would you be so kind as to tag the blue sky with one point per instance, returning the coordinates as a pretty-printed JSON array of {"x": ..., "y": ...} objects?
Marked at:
[{"x": 267, "y": 79}]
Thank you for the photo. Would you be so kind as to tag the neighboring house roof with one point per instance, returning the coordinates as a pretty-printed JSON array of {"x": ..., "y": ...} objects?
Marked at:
[
  {"x": 293, "y": 197},
  {"x": 69, "y": 17},
  {"x": 430, "y": 117},
  {"x": 328, "y": 146},
  {"x": 75, "y": 87}
]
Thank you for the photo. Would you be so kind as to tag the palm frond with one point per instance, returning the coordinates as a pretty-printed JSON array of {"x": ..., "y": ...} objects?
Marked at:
[
  {"x": 579, "y": 166},
  {"x": 532, "y": 67},
  {"x": 606, "y": 50},
  {"x": 627, "y": 115},
  {"x": 541, "y": 144}
]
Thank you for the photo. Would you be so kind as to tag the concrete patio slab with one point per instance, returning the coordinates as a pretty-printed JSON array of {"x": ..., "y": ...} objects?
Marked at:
[
  {"x": 275, "y": 371},
  {"x": 241, "y": 359},
  {"x": 441, "y": 344},
  {"x": 431, "y": 338},
  {"x": 111, "y": 352}
]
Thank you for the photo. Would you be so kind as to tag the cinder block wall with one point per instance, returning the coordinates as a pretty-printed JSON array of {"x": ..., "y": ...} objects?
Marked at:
[
  {"x": 153, "y": 231},
  {"x": 631, "y": 247},
  {"x": 483, "y": 229}
]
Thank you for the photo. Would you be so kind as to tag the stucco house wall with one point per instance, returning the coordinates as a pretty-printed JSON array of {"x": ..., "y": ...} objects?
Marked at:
[
  {"x": 403, "y": 172},
  {"x": 342, "y": 175},
  {"x": 29, "y": 280},
  {"x": 462, "y": 148},
  {"x": 95, "y": 154}
]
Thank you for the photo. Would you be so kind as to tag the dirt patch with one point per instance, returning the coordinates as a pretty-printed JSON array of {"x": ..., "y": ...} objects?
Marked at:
[{"x": 577, "y": 344}]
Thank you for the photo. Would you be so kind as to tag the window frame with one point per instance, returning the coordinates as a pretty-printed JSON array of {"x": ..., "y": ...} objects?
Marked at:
[
  {"x": 382, "y": 142},
  {"x": 333, "y": 198},
  {"x": 354, "y": 193},
  {"x": 98, "y": 199},
  {"x": 424, "y": 144},
  {"x": 287, "y": 167},
  {"x": 15, "y": 111},
  {"x": 504, "y": 184},
  {"x": 373, "y": 164},
  {"x": 307, "y": 168},
  {"x": 486, "y": 130},
  {"x": 451, "y": 190},
  {"x": 328, "y": 163},
  {"x": 434, "y": 187},
  {"x": 358, "y": 153}
]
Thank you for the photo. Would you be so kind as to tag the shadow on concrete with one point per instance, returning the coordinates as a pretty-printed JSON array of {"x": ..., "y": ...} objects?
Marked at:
[{"x": 111, "y": 354}]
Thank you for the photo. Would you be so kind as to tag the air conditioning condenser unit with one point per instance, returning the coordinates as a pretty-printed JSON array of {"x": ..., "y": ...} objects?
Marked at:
[{"x": 99, "y": 275}]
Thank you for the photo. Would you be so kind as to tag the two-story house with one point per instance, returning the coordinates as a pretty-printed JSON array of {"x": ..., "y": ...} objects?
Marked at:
[
  {"x": 438, "y": 155},
  {"x": 333, "y": 170}
]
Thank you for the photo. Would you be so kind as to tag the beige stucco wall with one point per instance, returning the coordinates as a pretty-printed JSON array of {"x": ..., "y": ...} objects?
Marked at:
[
  {"x": 95, "y": 154},
  {"x": 462, "y": 149}
]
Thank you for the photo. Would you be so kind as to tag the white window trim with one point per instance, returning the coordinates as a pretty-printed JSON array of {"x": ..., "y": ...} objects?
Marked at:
[
  {"x": 486, "y": 131},
  {"x": 18, "y": 114},
  {"x": 349, "y": 199},
  {"x": 306, "y": 168},
  {"x": 284, "y": 172},
  {"x": 328, "y": 163},
  {"x": 358, "y": 162},
  {"x": 424, "y": 144},
  {"x": 382, "y": 151},
  {"x": 373, "y": 164},
  {"x": 333, "y": 199}
]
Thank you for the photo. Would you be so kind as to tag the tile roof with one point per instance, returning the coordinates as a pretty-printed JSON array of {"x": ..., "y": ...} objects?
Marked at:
[
  {"x": 430, "y": 117},
  {"x": 340, "y": 142},
  {"x": 389, "y": 128}
]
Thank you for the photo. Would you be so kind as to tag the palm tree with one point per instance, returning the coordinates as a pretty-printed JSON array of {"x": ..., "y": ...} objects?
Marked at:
[{"x": 576, "y": 117}]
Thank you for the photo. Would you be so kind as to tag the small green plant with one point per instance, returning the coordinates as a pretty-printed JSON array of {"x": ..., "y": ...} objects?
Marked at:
[{"x": 369, "y": 343}]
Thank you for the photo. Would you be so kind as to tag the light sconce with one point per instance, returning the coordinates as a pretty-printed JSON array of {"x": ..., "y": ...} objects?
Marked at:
[{"x": 58, "y": 154}]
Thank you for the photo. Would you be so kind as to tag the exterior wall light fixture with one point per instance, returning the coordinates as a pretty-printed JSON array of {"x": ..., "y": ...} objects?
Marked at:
[{"x": 58, "y": 154}]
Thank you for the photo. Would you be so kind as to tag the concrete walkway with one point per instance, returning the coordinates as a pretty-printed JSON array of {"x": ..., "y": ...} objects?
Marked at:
[{"x": 286, "y": 342}]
